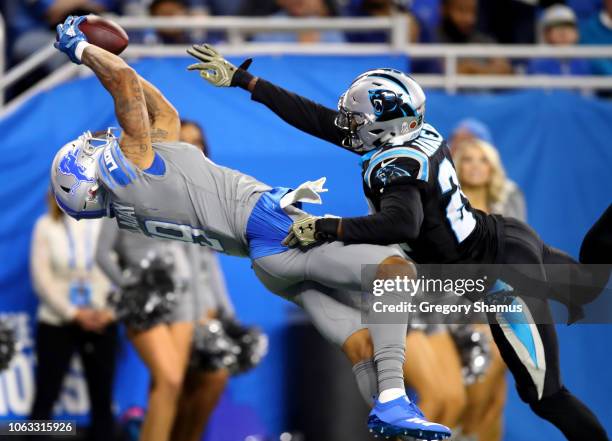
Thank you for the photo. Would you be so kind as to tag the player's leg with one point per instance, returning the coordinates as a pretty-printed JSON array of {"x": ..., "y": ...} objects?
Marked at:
[
  {"x": 546, "y": 272},
  {"x": 157, "y": 349},
  {"x": 530, "y": 350},
  {"x": 340, "y": 267},
  {"x": 531, "y": 353},
  {"x": 340, "y": 323},
  {"x": 597, "y": 243}
]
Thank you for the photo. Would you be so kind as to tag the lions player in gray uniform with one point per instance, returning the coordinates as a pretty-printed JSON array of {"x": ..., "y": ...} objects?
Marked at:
[{"x": 157, "y": 186}]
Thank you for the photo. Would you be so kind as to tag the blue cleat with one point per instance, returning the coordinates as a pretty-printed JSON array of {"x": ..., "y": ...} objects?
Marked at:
[{"x": 402, "y": 418}]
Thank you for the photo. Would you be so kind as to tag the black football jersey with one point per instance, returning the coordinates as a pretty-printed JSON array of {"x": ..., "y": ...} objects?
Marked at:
[{"x": 452, "y": 231}]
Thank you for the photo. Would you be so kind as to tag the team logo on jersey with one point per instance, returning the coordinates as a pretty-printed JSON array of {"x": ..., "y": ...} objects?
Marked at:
[
  {"x": 388, "y": 105},
  {"x": 69, "y": 166},
  {"x": 388, "y": 172}
]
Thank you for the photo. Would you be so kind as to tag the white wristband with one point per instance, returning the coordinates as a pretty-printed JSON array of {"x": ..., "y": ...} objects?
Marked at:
[{"x": 80, "y": 47}]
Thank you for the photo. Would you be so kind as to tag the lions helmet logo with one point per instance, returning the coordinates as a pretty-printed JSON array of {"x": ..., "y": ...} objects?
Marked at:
[{"x": 69, "y": 166}]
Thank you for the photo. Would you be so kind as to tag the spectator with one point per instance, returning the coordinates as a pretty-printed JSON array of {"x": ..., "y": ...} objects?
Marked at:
[
  {"x": 468, "y": 129},
  {"x": 598, "y": 30},
  {"x": 302, "y": 9},
  {"x": 192, "y": 133},
  {"x": 458, "y": 26},
  {"x": 511, "y": 200},
  {"x": 383, "y": 8},
  {"x": 169, "y": 8},
  {"x": 72, "y": 316},
  {"x": 511, "y": 21},
  {"x": 31, "y": 26},
  {"x": 164, "y": 345},
  {"x": 177, "y": 8},
  {"x": 558, "y": 27}
]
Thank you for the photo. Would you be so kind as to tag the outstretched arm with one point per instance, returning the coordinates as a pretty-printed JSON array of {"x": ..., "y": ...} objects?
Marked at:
[
  {"x": 123, "y": 83},
  {"x": 300, "y": 112},
  {"x": 135, "y": 99},
  {"x": 399, "y": 220},
  {"x": 163, "y": 118}
]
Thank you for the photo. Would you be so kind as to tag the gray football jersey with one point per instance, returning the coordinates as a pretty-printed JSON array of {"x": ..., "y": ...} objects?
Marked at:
[{"x": 187, "y": 197}]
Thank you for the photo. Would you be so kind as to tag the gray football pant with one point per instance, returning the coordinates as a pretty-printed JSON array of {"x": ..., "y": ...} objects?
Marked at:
[{"x": 326, "y": 282}]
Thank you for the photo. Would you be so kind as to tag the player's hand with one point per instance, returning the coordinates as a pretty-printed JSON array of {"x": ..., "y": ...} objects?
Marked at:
[
  {"x": 303, "y": 232},
  {"x": 68, "y": 36},
  {"x": 213, "y": 67}
]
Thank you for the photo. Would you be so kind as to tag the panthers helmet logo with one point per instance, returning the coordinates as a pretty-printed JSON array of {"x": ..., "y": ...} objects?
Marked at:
[{"x": 388, "y": 105}]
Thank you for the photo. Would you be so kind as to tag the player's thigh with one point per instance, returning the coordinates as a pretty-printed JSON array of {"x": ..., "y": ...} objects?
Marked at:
[
  {"x": 281, "y": 273},
  {"x": 343, "y": 267},
  {"x": 333, "y": 264},
  {"x": 530, "y": 351},
  {"x": 523, "y": 253},
  {"x": 335, "y": 320}
]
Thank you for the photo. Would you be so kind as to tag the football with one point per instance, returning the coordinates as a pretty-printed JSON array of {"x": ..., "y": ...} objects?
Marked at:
[{"x": 105, "y": 33}]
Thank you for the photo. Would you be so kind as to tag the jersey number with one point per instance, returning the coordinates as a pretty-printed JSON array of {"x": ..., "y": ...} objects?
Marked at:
[
  {"x": 462, "y": 221},
  {"x": 184, "y": 233}
]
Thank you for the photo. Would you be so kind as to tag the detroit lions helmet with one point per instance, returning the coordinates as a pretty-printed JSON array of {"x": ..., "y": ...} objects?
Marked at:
[
  {"x": 380, "y": 106},
  {"x": 73, "y": 176}
]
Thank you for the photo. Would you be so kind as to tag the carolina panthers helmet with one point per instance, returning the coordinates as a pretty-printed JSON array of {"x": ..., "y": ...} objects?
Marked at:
[
  {"x": 380, "y": 105},
  {"x": 73, "y": 176}
]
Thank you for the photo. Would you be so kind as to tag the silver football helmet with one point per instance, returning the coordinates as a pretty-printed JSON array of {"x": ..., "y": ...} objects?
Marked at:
[
  {"x": 380, "y": 106},
  {"x": 73, "y": 176}
]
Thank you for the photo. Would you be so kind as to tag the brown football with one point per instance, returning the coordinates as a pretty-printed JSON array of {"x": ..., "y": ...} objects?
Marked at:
[{"x": 105, "y": 33}]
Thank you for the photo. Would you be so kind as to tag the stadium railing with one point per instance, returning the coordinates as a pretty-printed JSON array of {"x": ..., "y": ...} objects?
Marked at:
[{"x": 238, "y": 29}]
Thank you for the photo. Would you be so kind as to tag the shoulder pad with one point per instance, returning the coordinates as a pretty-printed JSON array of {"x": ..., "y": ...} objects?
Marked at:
[{"x": 396, "y": 165}]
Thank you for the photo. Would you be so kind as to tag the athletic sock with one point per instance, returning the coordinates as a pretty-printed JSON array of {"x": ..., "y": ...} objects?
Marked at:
[
  {"x": 391, "y": 394},
  {"x": 389, "y": 345},
  {"x": 365, "y": 375},
  {"x": 388, "y": 333}
]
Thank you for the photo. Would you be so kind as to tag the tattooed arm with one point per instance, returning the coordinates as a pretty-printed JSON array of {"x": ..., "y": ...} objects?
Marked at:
[
  {"x": 124, "y": 84},
  {"x": 163, "y": 117}
]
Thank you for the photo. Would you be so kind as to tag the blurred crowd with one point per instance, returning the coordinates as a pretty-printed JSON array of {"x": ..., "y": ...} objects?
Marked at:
[{"x": 30, "y": 25}]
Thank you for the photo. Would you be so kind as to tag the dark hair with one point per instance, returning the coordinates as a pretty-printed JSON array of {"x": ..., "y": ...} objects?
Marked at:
[
  {"x": 188, "y": 122},
  {"x": 155, "y": 3}
]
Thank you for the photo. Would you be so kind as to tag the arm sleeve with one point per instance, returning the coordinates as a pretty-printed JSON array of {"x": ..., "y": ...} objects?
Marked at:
[
  {"x": 48, "y": 288},
  {"x": 104, "y": 253},
  {"x": 399, "y": 219},
  {"x": 300, "y": 112}
]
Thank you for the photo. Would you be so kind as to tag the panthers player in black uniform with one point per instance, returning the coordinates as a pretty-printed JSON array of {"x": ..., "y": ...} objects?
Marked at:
[{"x": 412, "y": 187}]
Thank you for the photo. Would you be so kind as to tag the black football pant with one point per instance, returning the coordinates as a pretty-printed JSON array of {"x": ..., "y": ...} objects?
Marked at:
[
  {"x": 55, "y": 346},
  {"x": 530, "y": 348}
]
